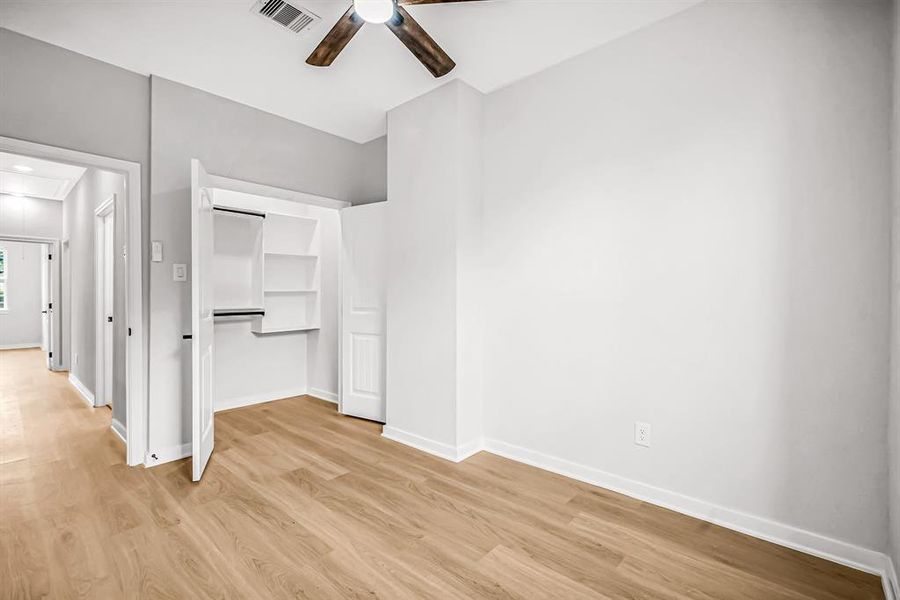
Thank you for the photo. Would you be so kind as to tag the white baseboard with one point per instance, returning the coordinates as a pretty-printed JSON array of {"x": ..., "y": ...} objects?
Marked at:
[
  {"x": 439, "y": 449},
  {"x": 20, "y": 346},
  {"x": 323, "y": 395},
  {"x": 464, "y": 451},
  {"x": 808, "y": 542},
  {"x": 162, "y": 456},
  {"x": 252, "y": 399},
  {"x": 119, "y": 430},
  {"x": 85, "y": 393},
  {"x": 889, "y": 580}
]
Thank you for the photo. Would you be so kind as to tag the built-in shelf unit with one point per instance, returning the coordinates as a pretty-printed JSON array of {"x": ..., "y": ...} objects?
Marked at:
[
  {"x": 267, "y": 269},
  {"x": 291, "y": 277}
]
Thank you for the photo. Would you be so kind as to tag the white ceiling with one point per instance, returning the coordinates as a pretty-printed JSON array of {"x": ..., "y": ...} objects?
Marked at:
[
  {"x": 26, "y": 176},
  {"x": 221, "y": 47}
]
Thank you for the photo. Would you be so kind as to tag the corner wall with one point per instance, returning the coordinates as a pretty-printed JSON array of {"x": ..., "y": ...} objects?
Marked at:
[{"x": 434, "y": 295}]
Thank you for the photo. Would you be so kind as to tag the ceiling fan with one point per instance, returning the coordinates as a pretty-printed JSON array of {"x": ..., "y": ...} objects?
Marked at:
[{"x": 392, "y": 14}]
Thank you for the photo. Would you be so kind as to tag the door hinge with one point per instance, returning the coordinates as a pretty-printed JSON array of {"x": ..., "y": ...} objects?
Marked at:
[
  {"x": 49, "y": 306},
  {"x": 129, "y": 332},
  {"x": 49, "y": 257},
  {"x": 109, "y": 319},
  {"x": 50, "y": 354}
]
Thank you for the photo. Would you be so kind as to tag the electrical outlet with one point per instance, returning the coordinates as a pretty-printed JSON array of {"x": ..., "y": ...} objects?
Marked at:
[
  {"x": 179, "y": 272},
  {"x": 642, "y": 434}
]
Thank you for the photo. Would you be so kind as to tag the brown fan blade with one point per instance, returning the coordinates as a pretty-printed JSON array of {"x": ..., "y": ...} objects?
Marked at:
[
  {"x": 420, "y": 43},
  {"x": 339, "y": 36},
  {"x": 411, "y": 2}
]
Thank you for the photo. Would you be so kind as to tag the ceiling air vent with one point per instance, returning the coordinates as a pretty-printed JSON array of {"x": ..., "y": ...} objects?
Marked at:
[{"x": 298, "y": 20}]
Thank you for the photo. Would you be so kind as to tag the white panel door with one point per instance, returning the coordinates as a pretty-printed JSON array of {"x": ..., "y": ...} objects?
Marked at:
[
  {"x": 45, "y": 301},
  {"x": 108, "y": 299},
  {"x": 202, "y": 304},
  {"x": 363, "y": 274}
]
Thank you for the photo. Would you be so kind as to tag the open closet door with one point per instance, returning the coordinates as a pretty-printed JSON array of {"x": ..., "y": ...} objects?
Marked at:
[
  {"x": 201, "y": 319},
  {"x": 364, "y": 285}
]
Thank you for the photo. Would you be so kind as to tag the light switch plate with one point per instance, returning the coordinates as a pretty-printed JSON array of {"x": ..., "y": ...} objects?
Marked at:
[
  {"x": 156, "y": 251},
  {"x": 179, "y": 272}
]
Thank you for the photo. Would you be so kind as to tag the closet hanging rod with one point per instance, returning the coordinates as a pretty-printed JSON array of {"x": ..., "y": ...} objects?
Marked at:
[
  {"x": 253, "y": 312},
  {"x": 251, "y": 213}
]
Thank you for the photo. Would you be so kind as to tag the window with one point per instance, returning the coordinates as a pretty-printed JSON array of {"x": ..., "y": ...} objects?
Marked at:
[{"x": 3, "y": 298}]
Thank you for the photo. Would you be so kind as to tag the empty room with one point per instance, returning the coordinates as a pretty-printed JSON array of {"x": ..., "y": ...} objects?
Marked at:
[{"x": 527, "y": 299}]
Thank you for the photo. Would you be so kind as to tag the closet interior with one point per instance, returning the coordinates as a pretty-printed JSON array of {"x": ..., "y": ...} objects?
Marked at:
[{"x": 275, "y": 263}]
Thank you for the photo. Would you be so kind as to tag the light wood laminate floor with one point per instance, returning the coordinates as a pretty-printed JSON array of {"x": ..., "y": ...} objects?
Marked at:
[{"x": 300, "y": 502}]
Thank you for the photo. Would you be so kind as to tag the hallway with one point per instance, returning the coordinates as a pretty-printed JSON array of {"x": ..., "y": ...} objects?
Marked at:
[{"x": 301, "y": 502}]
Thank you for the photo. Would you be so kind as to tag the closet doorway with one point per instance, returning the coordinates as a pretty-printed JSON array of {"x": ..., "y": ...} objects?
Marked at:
[{"x": 266, "y": 302}]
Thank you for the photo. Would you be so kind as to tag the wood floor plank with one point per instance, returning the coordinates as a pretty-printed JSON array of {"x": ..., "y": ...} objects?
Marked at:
[{"x": 300, "y": 502}]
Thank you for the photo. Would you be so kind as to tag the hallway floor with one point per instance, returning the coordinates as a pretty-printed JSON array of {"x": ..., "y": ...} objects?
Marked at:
[{"x": 300, "y": 502}]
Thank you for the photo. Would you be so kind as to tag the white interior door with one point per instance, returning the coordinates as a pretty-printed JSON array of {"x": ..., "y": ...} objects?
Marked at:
[
  {"x": 363, "y": 274},
  {"x": 202, "y": 304},
  {"x": 65, "y": 307},
  {"x": 45, "y": 301},
  {"x": 108, "y": 291}
]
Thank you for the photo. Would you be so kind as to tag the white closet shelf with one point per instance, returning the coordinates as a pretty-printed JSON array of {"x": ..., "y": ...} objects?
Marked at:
[
  {"x": 293, "y": 291},
  {"x": 294, "y": 254},
  {"x": 285, "y": 329}
]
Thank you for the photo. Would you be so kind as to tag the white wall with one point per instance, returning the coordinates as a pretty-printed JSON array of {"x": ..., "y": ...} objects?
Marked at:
[
  {"x": 20, "y": 324},
  {"x": 894, "y": 409},
  {"x": 433, "y": 296},
  {"x": 35, "y": 217},
  {"x": 690, "y": 226},
  {"x": 95, "y": 187}
]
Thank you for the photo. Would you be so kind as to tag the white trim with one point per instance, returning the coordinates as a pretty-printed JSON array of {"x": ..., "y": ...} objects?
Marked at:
[
  {"x": 106, "y": 207},
  {"x": 252, "y": 399},
  {"x": 119, "y": 430},
  {"x": 165, "y": 455},
  {"x": 782, "y": 534},
  {"x": 20, "y": 346},
  {"x": 323, "y": 395},
  {"x": 889, "y": 580},
  {"x": 82, "y": 390},
  {"x": 65, "y": 307},
  {"x": 439, "y": 449},
  {"x": 258, "y": 189},
  {"x": 136, "y": 404},
  {"x": 464, "y": 451}
]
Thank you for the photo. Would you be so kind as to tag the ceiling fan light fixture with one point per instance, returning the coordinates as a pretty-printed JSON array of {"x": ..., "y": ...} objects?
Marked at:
[{"x": 374, "y": 11}]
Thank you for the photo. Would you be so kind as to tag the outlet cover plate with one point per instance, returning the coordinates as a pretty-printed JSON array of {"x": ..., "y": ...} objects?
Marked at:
[{"x": 642, "y": 434}]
